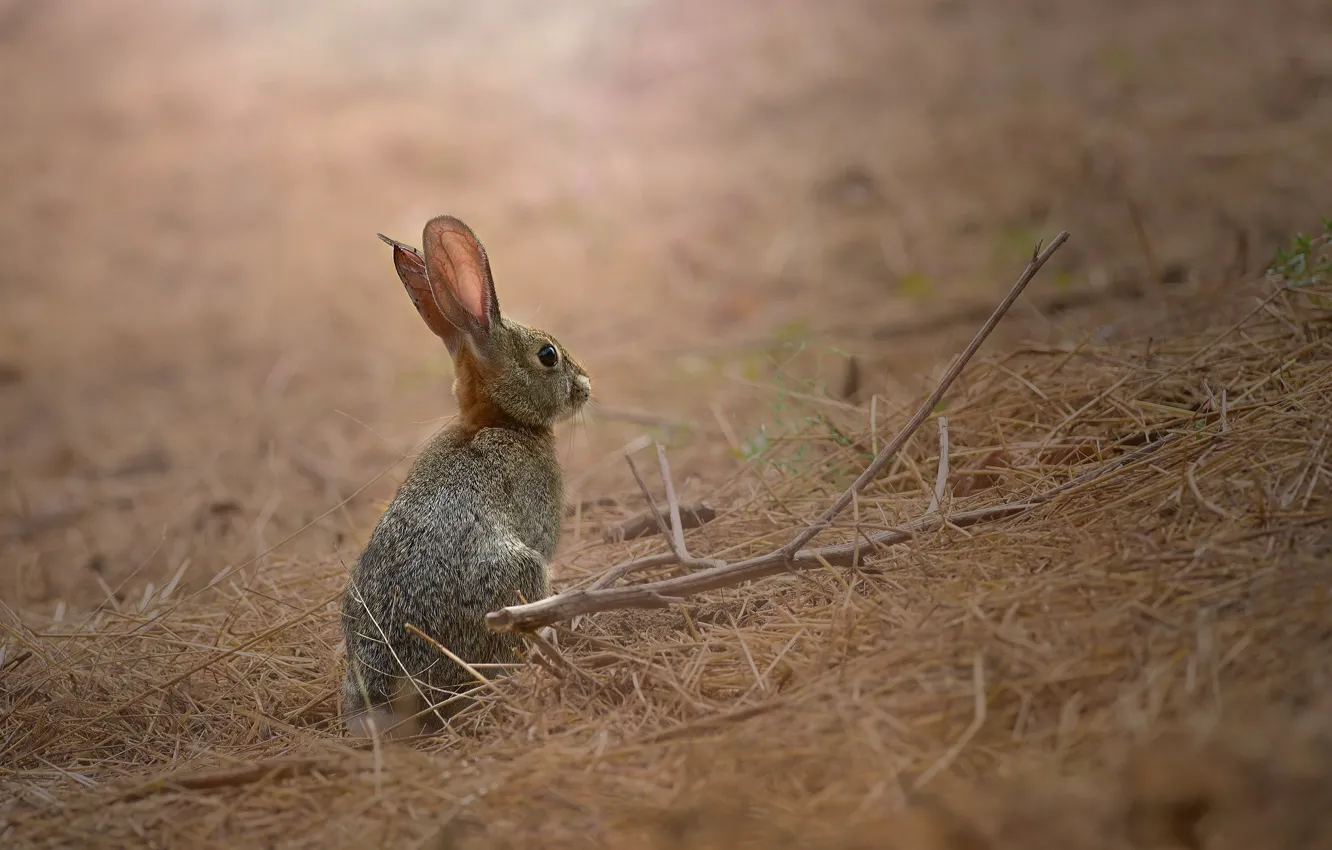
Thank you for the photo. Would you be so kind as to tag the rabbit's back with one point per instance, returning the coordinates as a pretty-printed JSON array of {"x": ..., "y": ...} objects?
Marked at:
[
  {"x": 471, "y": 529},
  {"x": 495, "y": 479}
]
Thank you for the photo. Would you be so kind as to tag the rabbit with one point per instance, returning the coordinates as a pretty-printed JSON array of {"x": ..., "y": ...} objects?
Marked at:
[{"x": 475, "y": 523}]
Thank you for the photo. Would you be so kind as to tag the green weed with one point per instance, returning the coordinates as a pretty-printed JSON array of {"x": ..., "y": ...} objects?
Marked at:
[{"x": 1306, "y": 260}]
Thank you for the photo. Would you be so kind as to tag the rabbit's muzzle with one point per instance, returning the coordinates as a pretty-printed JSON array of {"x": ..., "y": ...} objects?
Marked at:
[{"x": 581, "y": 390}]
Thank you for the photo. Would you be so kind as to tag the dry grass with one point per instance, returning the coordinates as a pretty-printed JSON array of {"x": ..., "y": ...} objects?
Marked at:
[{"x": 931, "y": 697}]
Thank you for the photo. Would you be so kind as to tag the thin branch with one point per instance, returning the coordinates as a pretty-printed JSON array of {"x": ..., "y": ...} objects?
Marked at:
[
  {"x": 448, "y": 653},
  {"x": 671, "y": 502},
  {"x": 655, "y": 594},
  {"x": 544, "y": 642},
  {"x": 652, "y": 509},
  {"x": 676, "y": 539},
  {"x": 623, "y": 569},
  {"x": 886, "y": 455},
  {"x": 692, "y": 515}
]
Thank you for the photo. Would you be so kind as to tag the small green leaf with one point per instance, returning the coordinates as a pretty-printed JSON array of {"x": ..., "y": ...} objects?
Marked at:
[{"x": 914, "y": 285}]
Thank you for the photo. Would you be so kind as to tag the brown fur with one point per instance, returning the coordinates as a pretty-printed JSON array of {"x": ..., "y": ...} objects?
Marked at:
[{"x": 476, "y": 410}]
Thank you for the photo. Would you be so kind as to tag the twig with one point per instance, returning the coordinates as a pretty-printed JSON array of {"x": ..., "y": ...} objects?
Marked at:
[
  {"x": 671, "y": 501},
  {"x": 941, "y": 478},
  {"x": 886, "y": 455},
  {"x": 476, "y": 674},
  {"x": 692, "y": 515},
  {"x": 632, "y": 566},
  {"x": 652, "y": 508},
  {"x": 544, "y": 641},
  {"x": 676, "y": 539},
  {"x": 654, "y": 594}
]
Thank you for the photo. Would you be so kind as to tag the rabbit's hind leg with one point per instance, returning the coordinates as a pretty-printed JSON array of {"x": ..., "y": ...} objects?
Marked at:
[{"x": 375, "y": 705}]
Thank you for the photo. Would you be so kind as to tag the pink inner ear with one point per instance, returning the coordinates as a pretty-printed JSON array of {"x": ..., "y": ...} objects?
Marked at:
[{"x": 467, "y": 278}]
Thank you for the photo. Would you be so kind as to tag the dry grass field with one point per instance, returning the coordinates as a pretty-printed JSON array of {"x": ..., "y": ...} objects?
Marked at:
[{"x": 765, "y": 229}]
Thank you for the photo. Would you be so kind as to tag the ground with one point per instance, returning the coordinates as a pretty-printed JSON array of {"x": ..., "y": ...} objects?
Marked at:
[{"x": 204, "y": 352}]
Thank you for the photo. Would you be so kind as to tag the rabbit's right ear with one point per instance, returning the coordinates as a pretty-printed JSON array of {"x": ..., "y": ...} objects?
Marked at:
[
  {"x": 411, "y": 268},
  {"x": 459, "y": 276}
]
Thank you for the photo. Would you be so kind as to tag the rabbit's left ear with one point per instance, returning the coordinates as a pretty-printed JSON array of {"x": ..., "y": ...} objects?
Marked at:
[
  {"x": 459, "y": 275},
  {"x": 411, "y": 269}
]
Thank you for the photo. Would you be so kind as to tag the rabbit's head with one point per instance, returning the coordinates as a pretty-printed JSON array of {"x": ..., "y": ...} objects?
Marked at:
[{"x": 505, "y": 373}]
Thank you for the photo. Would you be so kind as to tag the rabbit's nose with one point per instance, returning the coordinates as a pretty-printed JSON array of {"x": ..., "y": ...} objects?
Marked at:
[{"x": 583, "y": 386}]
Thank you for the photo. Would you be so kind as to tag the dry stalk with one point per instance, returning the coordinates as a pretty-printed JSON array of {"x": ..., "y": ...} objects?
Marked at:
[{"x": 674, "y": 534}]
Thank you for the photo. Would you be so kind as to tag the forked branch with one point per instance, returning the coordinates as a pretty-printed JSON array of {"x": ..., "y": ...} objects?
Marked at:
[
  {"x": 656, "y": 594},
  {"x": 792, "y": 555}
]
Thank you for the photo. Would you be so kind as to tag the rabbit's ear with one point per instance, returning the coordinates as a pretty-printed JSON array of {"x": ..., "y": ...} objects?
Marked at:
[
  {"x": 411, "y": 268},
  {"x": 459, "y": 276}
]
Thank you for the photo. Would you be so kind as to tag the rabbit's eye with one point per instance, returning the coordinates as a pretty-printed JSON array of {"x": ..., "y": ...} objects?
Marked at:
[{"x": 548, "y": 356}]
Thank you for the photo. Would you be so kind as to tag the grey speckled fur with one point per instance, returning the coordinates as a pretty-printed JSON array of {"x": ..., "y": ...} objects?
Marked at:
[{"x": 476, "y": 521}]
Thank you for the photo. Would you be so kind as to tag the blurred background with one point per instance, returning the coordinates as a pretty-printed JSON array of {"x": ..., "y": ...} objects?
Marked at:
[{"x": 203, "y": 347}]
